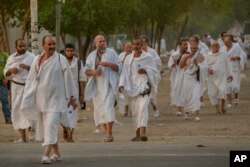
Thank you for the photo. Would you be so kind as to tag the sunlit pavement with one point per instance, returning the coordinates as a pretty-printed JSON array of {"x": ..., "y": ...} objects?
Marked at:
[{"x": 123, "y": 154}]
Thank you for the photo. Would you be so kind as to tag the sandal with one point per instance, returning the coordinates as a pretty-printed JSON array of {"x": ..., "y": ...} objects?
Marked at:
[
  {"x": 144, "y": 138},
  {"x": 55, "y": 157},
  {"x": 219, "y": 113},
  {"x": 46, "y": 160},
  {"x": 19, "y": 141},
  {"x": 136, "y": 138},
  {"x": 109, "y": 139},
  {"x": 70, "y": 140}
]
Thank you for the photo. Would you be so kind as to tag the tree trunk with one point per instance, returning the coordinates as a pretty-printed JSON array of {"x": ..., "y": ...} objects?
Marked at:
[
  {"x": 4, "y": 43},
  {"x": 152, "y": 32},
  {"x": 133, "y": 31},
  {"x": 63, "y": 37},
  {"x": 183, "y": 27},
  {"x": 161, "y": 29},
  {"x": 86, "y": 48},
  {"x": 155, "y": 35},
  {"x": 80, "y": 50},
  {"x": 130, "y": 32},
  {"x": 26, "y": 20}
]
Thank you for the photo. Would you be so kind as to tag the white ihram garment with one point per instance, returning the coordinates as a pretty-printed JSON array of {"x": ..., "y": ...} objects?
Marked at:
[
  {"x": 69, "y": 118},
  {"x": 135, "y": 84},
  {"x": 158, "y": 64},
  {"x": 103, "y": 89},
  {"x": 47, "y": 92},
  {"x": 177, "y": 84},
  {"x": 122, "y": 103},
  {"x": 191, "y": 88},
  {"x": 217, "y": 82},
  {"x": 18, "y": 119},
  {"x": 173, "y": 70},
  {"x": 237, "y": 66}
]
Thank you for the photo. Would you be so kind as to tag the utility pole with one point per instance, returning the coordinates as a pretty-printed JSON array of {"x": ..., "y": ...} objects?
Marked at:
[
  {"x": 34, "y": 27},
  {"x": 58, "y": 23}
]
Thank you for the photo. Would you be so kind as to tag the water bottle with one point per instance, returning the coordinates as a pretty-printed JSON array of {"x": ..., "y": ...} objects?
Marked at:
[{"x": 71, "y": 109}]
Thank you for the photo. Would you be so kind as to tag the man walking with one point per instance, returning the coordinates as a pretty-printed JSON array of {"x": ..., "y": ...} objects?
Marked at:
[
  {"x": 219, "y": 72},
  {"x": 237, "y": 60},
  {"x": 17, "y": 69},
  {"x": 176, "y": 76},
  {"x": 49, "y": 91},
  {"x": 77, "y": 70},
  {"x": 157, "y": 61},
  {"x": 190, "y": 63},
  {"x": 102, "y": 68},
  {"x": 138, "y": 80}
]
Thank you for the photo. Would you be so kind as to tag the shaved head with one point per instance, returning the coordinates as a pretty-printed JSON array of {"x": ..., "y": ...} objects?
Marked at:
[
  {"x": 98, "y": 37},
  {"x": 215, "y": 46},
  {"x": 213, "y": 42},
  {"x": 128, "y": 47},
  {"x": 49, "y": 44},
  {"x": 100, "y": 42}
]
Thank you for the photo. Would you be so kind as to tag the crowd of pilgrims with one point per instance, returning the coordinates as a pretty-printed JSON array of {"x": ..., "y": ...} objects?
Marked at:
[{"x": 130, "y": 80}]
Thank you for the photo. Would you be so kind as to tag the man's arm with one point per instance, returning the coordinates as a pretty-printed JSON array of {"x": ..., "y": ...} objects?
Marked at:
[
  {"x": 91, "y": 73},
  {"x": 112, "y": 66},
  {"x": 184, "y": 60},
  {"x": 11, "y": 71},
  {"x": 25, "y": 66},
  {"x": 81, "y": 90}
]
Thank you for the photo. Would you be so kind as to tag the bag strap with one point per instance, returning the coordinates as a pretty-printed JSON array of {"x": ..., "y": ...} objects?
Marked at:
[{"x": 78, "y": 65}]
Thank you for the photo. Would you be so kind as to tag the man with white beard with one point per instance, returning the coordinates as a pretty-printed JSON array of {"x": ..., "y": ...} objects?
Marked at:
[
  {"x": 237, "y": 59},
  {"x": 17, "y": 69},
  {"x": 157, "y": 60},
  {"x": 138, "y": 80},
  {"x": 219, "y": 72},
  {"x": 191, "y": 81},
  {"x": 102, "y": 68},
  {"x": 176, "y": 76},
  {"x": 49, "y": 91}
]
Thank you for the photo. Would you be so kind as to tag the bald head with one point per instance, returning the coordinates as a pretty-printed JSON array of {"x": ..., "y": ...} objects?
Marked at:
[
  {"x": 98, "y": 37},
  {"x": 49, "y": 44},
  {"x": 215, "y": 46},
  {"x": 213, "y": 42},
  {"x": 100, "y": 42},
  {"x": 128, "y": 47},
  {"x": 46, "y": 37}
]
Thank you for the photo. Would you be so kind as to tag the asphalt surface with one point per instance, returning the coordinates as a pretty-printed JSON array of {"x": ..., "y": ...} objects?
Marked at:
[{"x": 123, "y": 154}]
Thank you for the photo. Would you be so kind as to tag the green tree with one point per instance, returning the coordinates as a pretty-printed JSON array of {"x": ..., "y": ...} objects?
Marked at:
[
  {"x": 85, "y": 18},
  {"x": 15, "y": 14}
]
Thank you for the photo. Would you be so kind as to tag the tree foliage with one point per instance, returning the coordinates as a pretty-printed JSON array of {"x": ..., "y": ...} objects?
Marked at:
[{"x": 83, "y": 19}]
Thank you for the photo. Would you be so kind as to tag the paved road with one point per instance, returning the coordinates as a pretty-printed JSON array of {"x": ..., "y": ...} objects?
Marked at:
[{"x": 123, "y": 154}]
